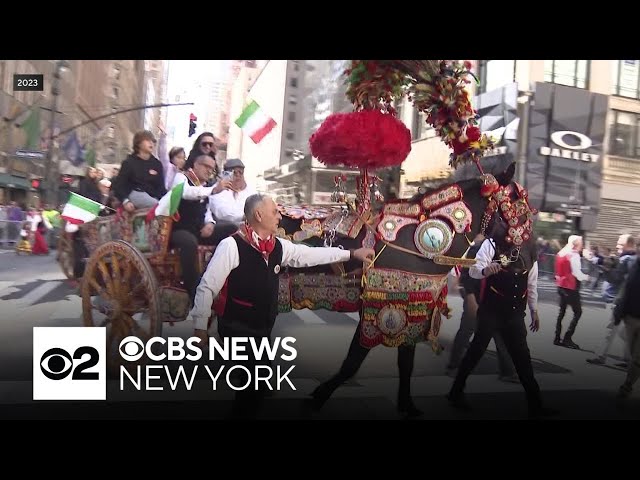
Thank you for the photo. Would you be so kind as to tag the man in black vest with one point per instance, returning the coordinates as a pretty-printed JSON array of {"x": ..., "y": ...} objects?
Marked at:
[
  {"x": 196, "y": 224},
  {"x": 507, "y": 265},
  {"x": 246, "y": 267}
]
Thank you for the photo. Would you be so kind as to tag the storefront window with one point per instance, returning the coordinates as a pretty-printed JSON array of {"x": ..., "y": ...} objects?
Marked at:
[
  {"x": 496, "y": 73},
  {"x": 624, "y": 135},
  {"x": 573, "y": 73},
  {"x": 626, "y": 78}
]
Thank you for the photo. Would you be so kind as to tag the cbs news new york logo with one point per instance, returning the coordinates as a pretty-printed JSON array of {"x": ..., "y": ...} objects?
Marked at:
[{"x": 69, "y": 363}]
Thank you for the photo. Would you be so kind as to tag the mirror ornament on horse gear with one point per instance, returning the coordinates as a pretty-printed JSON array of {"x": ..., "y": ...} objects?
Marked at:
[{"x": 433, "y": 237}]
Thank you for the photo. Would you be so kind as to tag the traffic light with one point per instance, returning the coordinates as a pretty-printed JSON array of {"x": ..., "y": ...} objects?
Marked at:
[{"x": 192, "y": 124}]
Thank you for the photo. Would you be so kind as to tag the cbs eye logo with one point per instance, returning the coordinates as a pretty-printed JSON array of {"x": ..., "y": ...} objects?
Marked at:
[
  {"x": 131, "y": 349},
  {"x": 57, "y": 364},
  {"x": 69, "y": 363}
]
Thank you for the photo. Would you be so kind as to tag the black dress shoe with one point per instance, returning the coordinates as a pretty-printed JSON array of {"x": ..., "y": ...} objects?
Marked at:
[
  {"x": 557, "y": 341},
  {"x": 459, "y": 402},
  {"x": 570, "y": 344},
  {"x": 408, "y": 408}
]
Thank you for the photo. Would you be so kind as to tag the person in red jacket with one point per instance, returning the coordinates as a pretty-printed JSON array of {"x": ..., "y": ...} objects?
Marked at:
[{"x": 568, "y": 279}]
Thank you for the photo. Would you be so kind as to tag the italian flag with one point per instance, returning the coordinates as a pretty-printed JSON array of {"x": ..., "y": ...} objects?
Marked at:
[
  {"x": 255, "y": 122},
  {"x": 168, "y": 204},
  {"x": 79, "y": 209}
]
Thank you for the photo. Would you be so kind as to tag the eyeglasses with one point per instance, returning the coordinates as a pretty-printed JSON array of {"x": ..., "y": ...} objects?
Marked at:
[
  {"x": 207, "y": 144},
  {"x": 210, "y": 168}
]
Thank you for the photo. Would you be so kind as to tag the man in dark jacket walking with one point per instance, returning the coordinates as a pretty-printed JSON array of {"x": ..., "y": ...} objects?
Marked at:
[{"x": 627, "y": 310}]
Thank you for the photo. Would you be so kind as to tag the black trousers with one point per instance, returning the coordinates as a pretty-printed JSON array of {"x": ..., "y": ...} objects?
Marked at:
[
  {"x": 80, "y": 253},
  {"x": 512, "y": 327},
  {"x": 356, "y": 355},
  {"x": 572, "y": 298},
  {"x": 248, "y": 401},
  {"x": 187, "y": 243}
]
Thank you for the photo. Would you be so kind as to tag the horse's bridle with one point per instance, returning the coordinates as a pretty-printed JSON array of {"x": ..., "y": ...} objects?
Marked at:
[{"x": 517, "y": 214}]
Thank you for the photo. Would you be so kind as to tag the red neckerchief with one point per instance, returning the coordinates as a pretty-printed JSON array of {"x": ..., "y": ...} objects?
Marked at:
[
  {"x": 191, "y": 175},
  {"x": 263, "y": 246}
]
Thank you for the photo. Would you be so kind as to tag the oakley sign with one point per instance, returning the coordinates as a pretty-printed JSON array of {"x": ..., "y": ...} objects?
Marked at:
[{"x": 570, "y": 151}]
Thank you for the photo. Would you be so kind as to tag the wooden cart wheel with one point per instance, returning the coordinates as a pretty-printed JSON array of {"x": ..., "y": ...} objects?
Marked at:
[
  {"x": 65, "y": 255},
  {"x": 120, "y": 292}
]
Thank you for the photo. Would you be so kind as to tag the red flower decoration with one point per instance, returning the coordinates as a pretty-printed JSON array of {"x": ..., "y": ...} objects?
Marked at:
[
  {"x": 364, "y": 139},
  {"x": 473, "y": 133},
  {"x": 458, "y": 147}
]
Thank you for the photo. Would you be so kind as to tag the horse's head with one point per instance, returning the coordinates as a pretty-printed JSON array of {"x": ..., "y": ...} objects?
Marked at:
[{"x": 508, "y": 218}]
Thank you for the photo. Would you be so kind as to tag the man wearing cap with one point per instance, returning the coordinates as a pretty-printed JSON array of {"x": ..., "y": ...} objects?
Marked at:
[{"x": 229, "y": 204}]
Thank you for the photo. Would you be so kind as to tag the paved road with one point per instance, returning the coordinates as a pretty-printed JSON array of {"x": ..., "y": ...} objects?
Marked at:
[{"x": 34, "y": 293}]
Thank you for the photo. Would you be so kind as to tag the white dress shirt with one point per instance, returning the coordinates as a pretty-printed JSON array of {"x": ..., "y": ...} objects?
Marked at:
[
  {"x": 576, "y": 267},
  {"x": 229, "y": 206},
  {"x": 484, "y": 257},
  {"x": 191, "y": 192},
  {"x": 226, "y": 258}
]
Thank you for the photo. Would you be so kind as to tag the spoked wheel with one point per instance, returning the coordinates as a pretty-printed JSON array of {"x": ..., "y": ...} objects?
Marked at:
[
  {"x": 65, "y": 255},
  {"x": 120, "y": 292}
]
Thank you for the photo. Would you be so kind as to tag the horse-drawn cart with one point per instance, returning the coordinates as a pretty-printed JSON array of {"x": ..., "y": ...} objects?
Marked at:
[{"x": 131, "y": 282}]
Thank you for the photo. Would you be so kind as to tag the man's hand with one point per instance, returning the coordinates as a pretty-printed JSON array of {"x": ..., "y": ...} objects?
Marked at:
[
  {"x": 535, "y": 322},
  {"x": 492, "y": 269},
  {"x": 129, "y": 207},
  {"x": 222, "y": 185},
  {"x": 207, "y": 230},
  {"x": 203, "y": 336},
  {"x": 364, "y": 254}
]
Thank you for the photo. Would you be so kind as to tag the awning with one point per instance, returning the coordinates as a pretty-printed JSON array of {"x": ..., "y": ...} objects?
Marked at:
[{"x": 9, "y": 181}]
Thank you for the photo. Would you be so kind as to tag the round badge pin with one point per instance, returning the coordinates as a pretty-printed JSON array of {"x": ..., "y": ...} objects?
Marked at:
[{"x": 276, "y": 269}]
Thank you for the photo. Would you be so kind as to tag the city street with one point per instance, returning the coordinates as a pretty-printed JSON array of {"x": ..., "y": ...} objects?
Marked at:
[{"x": 34, "y": 292}]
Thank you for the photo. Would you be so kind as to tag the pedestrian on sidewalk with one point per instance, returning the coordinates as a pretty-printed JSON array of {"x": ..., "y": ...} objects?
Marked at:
[
  {"x": 613, "y": 282},
  {"x": 627, "y": 312},
  {"x": 569, "y": 277}
]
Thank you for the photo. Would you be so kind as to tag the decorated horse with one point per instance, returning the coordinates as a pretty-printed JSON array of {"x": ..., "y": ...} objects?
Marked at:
[{"x": 402, "y": 295}]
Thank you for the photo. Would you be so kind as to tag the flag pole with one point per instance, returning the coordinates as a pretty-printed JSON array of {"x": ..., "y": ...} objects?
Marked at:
[{"x": 52, "y": 177}]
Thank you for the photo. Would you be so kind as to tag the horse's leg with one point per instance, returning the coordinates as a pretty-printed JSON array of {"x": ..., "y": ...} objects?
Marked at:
[
  {"x": 356, "y": 355},
  {"x": 406, "y": 354}
]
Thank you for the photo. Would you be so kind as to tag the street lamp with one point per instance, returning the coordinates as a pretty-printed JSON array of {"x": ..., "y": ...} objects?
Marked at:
[{"x": 52, "y": 170}]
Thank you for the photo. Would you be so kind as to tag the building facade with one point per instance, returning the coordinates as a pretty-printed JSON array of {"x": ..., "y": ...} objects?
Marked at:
[
  {"x": 577, "y": 96},
  {"x": 82, "y": 91}
]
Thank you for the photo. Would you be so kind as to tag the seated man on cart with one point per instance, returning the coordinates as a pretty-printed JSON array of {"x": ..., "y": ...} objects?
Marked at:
[{"x": 195, "y": 224}]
